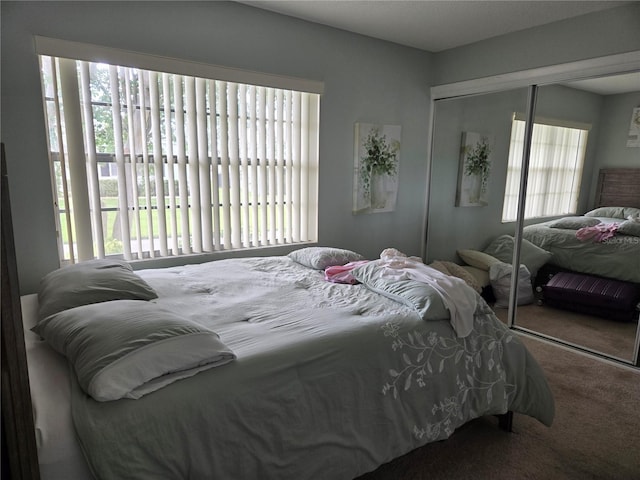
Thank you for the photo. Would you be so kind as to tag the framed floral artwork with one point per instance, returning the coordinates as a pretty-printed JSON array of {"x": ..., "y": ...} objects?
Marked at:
[
  {"x": 473, "y": 171},
  {"x": 376, "y": 166},
  {"x": 634, "y": 129}
]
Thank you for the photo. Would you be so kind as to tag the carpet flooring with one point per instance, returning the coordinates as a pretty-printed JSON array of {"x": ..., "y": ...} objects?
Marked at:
[
  {"x": 610, "y": 337},
  {"x": 595, "y": 434}
]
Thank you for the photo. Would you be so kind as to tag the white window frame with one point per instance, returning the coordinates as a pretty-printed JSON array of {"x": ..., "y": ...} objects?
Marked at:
[{"x": 251, "y": 161}]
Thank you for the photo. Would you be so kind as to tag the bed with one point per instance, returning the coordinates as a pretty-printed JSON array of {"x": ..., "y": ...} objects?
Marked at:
[
  {"x": 305, "y": 370},
  {"x": 616, "y": 257}
]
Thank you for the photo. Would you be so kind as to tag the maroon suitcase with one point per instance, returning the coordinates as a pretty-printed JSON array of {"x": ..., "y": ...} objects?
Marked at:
[{"x": 599, "y": 296}]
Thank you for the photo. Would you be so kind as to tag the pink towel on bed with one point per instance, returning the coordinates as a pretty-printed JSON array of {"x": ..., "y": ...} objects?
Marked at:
[
  {"x": 598, "y": 233},
  {"x": 342, "y": 273}
]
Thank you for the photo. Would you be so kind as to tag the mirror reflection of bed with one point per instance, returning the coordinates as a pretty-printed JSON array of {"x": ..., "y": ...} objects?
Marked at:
[{"x": 601, "y": 251}]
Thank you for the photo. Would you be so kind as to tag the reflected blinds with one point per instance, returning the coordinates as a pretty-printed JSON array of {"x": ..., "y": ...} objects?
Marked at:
[{"x": 555, "y": 170}]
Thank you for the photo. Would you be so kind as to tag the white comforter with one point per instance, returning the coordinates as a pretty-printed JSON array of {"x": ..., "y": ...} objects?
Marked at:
[{"x": 323, "y": 371}]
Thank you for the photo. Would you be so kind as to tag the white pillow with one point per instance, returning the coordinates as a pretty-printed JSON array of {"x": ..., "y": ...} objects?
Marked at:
[
  {"x": 531, "y": 255},
  {"x": 129, "y": 348},
  {"x": 478, "y": 259},
  {"x": 92, "y": 281},
  {"x": 629, "y": 227},
  {"x": 320, "y": 258},
  {"x": 455, "y": 270},
  {"x": 481, "y": 276},
  {"x": 574, "y": 223},
  {"x": 607, "y": 212}
]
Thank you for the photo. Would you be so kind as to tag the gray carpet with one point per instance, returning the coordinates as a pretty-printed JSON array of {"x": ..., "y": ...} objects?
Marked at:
[{"x": 595, "y": 435}]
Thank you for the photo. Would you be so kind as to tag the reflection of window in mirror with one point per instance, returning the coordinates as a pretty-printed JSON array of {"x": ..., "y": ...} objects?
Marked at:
[
  {"x": 583, "y": 183},
  {"x": 555, "y": 168}
]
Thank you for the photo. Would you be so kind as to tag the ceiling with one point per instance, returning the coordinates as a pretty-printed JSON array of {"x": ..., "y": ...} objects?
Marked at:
[
  {"x": 432, "y": 25},
  {"x": 436, "y": 25}
]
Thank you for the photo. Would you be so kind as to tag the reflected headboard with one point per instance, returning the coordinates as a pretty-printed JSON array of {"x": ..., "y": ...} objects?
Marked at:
[{"x": 618, "y": 187}]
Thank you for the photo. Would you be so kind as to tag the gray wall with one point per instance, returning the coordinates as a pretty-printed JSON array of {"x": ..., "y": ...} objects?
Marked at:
[
  {"x": 366, "y": 80},
  {"x": 597, "y": 34},
  {"x": 612, "y": 139},
  {"x": 451, "y": 227},
  {"x": 612, "y": 150}
]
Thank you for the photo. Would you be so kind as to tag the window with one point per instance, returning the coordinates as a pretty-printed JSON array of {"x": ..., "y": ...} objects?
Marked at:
[
  {"x": 152, "y": 164},
  {"x": 555, "y": 169}
]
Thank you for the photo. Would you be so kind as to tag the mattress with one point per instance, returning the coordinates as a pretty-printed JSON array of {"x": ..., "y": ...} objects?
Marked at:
[
  {"x": 323, "y": 371},
  {"x": 59, "y": 454},
  {"x": 617, "y": 257}
]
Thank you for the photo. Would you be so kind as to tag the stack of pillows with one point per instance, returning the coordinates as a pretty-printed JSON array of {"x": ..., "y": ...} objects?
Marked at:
[
  {"x": 492, "y": 267},
  {"x": 120, "y": 343}
]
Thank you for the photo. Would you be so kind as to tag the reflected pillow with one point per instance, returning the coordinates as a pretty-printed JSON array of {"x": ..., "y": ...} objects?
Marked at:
[
  {"x": 531, "y": 255},
  {"x": 90, "y": 282},
  {"x": 477, "y": 259},
  {"x": 608, "y": 212},
  {"x": 416, "y": 295},
  {"x": 629, "y": 227},
  {"x": 574, "y": 223},
  {"x": 631, "y": 212},
  {"x": 481, "y": 275},
  {"x": 320, "y": 258},
  {"x": 129, "y": 348}
]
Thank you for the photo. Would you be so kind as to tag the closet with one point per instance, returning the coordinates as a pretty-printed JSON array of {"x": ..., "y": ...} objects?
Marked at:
[{"x": 597, "y": 97}]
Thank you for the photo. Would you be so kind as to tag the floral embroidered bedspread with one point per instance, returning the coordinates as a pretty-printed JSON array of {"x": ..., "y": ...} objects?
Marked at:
[{"x": 323, "y": 371}]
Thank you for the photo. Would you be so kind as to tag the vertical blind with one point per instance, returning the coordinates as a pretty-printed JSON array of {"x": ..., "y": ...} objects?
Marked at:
[
  {"x": 149, "y": 164},
  {"x": 555, "y": 169}
]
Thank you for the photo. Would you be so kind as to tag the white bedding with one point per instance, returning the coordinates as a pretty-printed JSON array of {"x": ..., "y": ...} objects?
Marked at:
[
  {"x": 309, "y": 353},
  {"x": 617, "y": 257},
  {"x": 59, "y": 454}
]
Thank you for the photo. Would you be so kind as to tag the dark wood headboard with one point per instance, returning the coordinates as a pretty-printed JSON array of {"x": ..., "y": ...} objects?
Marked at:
[{"x": 618, "y": 187}]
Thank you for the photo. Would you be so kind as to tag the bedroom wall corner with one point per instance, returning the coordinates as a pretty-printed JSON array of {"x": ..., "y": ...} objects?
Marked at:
[{"x": 593, "y": 35}]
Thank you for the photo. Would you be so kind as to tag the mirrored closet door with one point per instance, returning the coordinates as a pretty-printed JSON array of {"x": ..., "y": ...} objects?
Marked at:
[
  {"x": 583, "y": 146},
  {"x": 472, "y": 139},
  {"x": 555, "y": 151}
]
